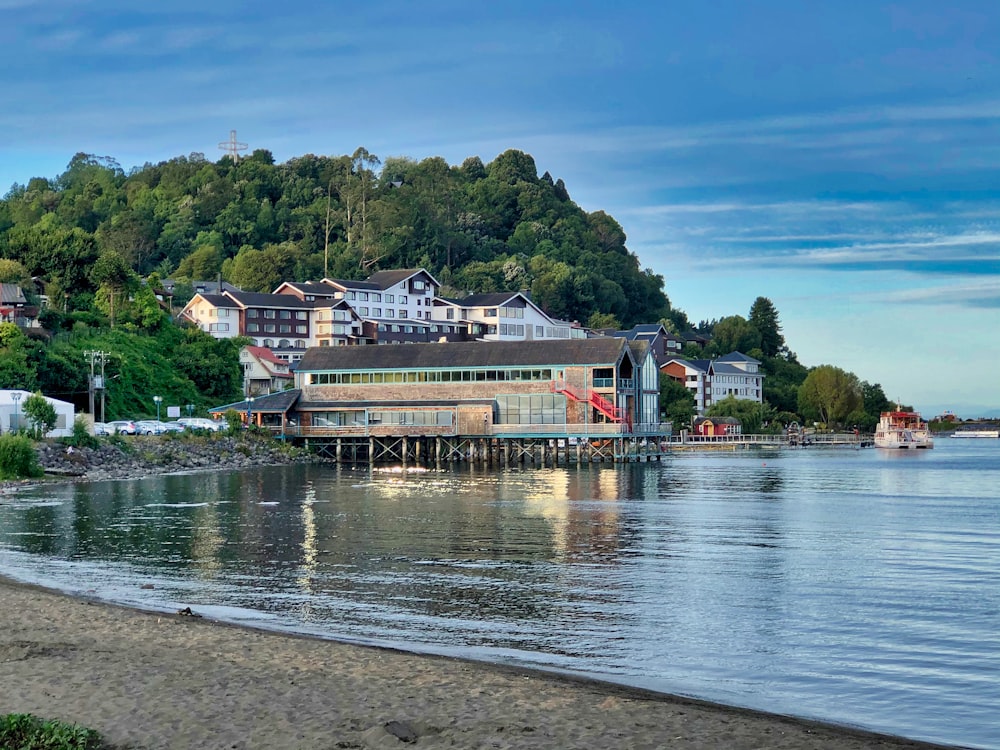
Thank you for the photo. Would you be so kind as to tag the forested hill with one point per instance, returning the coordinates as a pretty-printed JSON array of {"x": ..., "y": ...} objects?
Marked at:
[{"x": 477, "y": 227}]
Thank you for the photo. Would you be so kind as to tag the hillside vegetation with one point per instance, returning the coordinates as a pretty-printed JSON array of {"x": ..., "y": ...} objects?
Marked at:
[
  {"x": 476, "y": 227},
  {"x": 97, "y": 241}
]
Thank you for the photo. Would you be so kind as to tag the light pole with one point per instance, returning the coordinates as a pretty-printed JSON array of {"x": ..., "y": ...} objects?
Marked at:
[
  {"x": 16, "y": 395},
  {"x": 190, "y": 409},
  {"x": 158, "y": 399},
  {"x": 249, "y": 410}
]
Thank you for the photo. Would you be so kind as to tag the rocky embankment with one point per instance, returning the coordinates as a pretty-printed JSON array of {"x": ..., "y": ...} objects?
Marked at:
[{"x": 144, "y": 456}]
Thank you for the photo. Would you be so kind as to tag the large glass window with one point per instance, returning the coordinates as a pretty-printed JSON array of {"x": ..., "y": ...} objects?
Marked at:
[{"x": 539, "y": 408}]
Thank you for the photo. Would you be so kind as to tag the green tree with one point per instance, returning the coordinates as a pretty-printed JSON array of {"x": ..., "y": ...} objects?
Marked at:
[
  {"x": 829, "y": 395},
  {"x": 12, "y": 272},
  {"x": 15, "y": 370},
  {"x": 754, "y": 417},
  {"x": 40, "y": 413},
  {"x": 764, "y": 317},
  {"x": 735, "y": 334},
  {"x": 677, "y": 403}
]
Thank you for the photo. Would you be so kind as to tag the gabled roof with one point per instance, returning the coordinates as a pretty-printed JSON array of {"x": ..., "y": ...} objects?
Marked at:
[
  {"x": 489, "y": 299},
  {"x": 264, "y": 354},
  {"x": 386, "y": 279},
  {"x": 202, "y": 287},
  {"x": 12, "y": 294},
  {"x": 738, "y": 357},
  {"x": 272, "y": 403},
  {"x": 258, "y": 299},
  {"x": 310, "y": 288},
  {"x": 342, "y": 284},
  {"x": 701, "y": 365},
  {"x": 607, "y": 351},
  {"x": 640, "y": 350},
  {"x": 643, "y": 331},
  {"x": 216, "y": 300}
]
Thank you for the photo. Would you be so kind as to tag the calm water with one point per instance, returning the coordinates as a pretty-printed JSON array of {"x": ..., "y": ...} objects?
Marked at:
[{"x": 859, "y": 587}]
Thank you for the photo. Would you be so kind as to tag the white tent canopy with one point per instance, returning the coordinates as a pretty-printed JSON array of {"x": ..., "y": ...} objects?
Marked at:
[{"x": 12, "y": 413}]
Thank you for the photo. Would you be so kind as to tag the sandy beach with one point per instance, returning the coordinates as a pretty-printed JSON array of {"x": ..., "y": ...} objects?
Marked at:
[{"x": 148, "y": 680}]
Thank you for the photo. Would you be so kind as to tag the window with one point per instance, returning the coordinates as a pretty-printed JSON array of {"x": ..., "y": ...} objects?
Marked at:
[
  {"x": 377, "y": 312},
  {"x": 349, "y": 295},
  {"x": 285, "y": 328},
  {"x": 390, "y": 298},
  {"x": 402, "y": 313},
  {"x": 251, "y": 313},
  {"x": 223, "y": 313},
  {"x": 300, "y": 344},
  {"x": 217, "y": 327},
  {"x": 402, "y": 299},
  {"x": 489, "y": 312},
  {"x": 252, "y": 328},
  {"x": 302, "y": 329},
  {"x": 376, "y": 297},
  {"x": 362, "y": 311},
  {"x": 269, "y": 314},
  {"x": 418, "y": 285},
  {"x": 389, "y": 312},
  {"x": 269, "y": 328},
  {"x": 450, "y": 314},
  {"x": 285, "y": 315},
  {"x": 301, "y": 315}
]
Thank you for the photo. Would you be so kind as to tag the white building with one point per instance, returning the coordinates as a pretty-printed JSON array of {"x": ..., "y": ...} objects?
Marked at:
[{"x": 12, "y": 413}]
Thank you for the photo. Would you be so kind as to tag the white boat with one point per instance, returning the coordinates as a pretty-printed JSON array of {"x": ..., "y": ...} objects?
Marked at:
[
  {"x": 903, "y": 430},
  {"x": 976, "y": 434}
]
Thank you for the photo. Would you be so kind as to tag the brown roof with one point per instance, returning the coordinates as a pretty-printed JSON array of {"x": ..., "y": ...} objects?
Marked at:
[{"x": 598, "y": 351}]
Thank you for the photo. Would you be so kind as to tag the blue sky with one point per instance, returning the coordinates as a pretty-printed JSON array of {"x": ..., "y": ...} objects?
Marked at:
[{"x": 837, "y": 157}]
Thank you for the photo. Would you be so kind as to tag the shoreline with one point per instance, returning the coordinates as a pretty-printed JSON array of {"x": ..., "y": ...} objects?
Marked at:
[{"x": 153, "y": 680}]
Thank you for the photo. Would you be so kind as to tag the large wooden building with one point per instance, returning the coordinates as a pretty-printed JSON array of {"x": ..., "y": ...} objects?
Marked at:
[{"x": 574, "y": 388}]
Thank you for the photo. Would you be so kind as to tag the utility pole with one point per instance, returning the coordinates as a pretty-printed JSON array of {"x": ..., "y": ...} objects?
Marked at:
[{"x": 94, "y": 382}]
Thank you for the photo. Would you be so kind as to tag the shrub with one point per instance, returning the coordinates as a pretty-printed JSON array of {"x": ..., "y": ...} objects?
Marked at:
[
  {"x": 18, "y": 460},
  {"x": 81, "y": 437},
  {"x": 28, "y": 732},
  {"x": 41, "y": 413}
]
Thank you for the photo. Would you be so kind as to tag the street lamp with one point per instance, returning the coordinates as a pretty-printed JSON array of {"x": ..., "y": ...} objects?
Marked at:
[
  {"x": 16, "y": 395},
  {"x": 249, "y": 410},
  {"x": 158, "y": 399},
  {"x": 190, "y": 409}
]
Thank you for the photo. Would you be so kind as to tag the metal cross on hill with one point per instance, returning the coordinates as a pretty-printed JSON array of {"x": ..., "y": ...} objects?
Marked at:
[{"x": 233, "y": 146}]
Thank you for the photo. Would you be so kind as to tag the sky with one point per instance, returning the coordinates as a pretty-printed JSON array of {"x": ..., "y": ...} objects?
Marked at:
[{"x": 839, "y": 158}]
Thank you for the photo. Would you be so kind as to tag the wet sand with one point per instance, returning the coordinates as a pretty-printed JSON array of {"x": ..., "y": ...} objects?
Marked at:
[{"x": 147, "y": 680}]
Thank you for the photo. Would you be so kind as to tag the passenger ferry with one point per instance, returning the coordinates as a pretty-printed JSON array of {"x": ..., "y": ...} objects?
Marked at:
[
  {"x": 976, "y": 434},
  {"x": 903, "y": 430}
]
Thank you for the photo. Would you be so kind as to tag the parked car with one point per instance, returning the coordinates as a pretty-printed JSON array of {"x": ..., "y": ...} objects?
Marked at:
[
  {"x": 200, "y": 423},
  {"x": 173, "y": 427},
  {"x": 149, "y": 427},
  {"x": 101, "y": 429},
  {"x": 122, "y": 427}
]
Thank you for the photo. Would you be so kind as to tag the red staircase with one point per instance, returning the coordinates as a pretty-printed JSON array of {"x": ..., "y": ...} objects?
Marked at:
[{"x": 595, "y": 399}]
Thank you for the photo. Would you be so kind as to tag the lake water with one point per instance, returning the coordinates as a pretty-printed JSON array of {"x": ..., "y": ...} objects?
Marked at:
[{"x": 855, "y": 586}]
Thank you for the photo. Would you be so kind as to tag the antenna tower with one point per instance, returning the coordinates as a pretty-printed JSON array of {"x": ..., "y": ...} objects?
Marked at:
[{"x": 233, "y": 147}]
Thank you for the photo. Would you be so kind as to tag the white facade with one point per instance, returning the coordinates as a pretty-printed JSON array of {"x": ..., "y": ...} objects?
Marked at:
[
  {"x": 215, "y": 314},
  {"x": 502, "y": 316},
  {"x": 12, "y": 413}
]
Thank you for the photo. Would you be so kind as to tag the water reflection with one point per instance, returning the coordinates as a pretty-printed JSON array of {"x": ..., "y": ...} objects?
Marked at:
[{"x": 769, "y": 580}]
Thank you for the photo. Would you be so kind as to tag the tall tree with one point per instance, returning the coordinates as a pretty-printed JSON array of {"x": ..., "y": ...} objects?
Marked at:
[
  {"x": 735, "y": 334},
  {"x": 829, "y": 395},
  {"x": 764, "y": 317}
]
